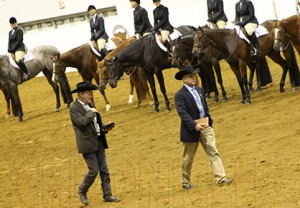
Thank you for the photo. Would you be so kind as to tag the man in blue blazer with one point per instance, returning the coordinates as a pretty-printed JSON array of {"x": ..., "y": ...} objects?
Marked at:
[{"x": 196, "y": 126}]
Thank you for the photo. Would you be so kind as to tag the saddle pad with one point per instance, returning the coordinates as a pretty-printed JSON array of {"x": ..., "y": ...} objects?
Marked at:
[
  {"x": 28, "y": 57},
  {"x": 94, "y": 49},
  {"x": 175, "y": 34},
  {"x": 162, "y": 47},
  {"x": 110, "y": 45},
  {"x": 260, "y": 31}
]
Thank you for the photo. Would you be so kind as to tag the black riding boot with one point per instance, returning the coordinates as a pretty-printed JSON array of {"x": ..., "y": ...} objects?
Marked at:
[
  {"x": 103, "y": 52},
  {"x": 23, "y": 67},
  {"x": 256, "y": 49},
  {"x": 169, "y": 47}
]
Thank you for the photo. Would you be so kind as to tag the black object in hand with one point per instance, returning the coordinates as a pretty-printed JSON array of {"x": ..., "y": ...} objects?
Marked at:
[{"x": 108, "y": 126}]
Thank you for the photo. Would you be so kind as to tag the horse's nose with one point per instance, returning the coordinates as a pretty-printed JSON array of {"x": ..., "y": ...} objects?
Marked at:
[{"x": 102, "y": 86}]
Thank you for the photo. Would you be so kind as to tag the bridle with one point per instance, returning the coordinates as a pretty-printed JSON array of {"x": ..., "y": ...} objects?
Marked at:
[{"x": 279, "y": 35}]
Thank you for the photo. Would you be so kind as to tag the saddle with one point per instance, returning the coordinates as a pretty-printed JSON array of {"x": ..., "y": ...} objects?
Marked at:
[
  {"x": 109, "y": 46},
  {"x": 28, "y": 57}
]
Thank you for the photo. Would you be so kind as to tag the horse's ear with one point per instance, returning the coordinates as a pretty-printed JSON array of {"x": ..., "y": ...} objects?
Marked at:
[
  {"x": 114, "y": 59},
  {"x": 200, "y": 28}
]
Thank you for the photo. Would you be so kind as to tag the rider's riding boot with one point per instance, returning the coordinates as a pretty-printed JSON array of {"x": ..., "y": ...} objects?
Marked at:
[
  {"x": 255, "y": 49},
  {"x": 103, "y": 52},
  {"x": 169, "y": 47},
  {"x": 23, "y": 67}
]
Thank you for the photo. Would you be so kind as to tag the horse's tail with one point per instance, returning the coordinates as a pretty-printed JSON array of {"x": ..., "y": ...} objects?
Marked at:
[
  {"x": 265, "y": 74},
  {"x": 294, "y": 70}
]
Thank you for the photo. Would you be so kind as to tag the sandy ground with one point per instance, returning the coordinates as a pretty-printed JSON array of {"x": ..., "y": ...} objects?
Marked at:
[{"x": 259, "y": 145}]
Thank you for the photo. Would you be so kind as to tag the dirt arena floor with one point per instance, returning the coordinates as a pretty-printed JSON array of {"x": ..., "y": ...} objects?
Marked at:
[{"x": 259, "y": 145}]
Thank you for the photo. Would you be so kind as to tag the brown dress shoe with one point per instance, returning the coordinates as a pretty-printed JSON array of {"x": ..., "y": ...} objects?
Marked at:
[
  {"x": 83, "y": 198},
  {"x": 111, "y": 199}
]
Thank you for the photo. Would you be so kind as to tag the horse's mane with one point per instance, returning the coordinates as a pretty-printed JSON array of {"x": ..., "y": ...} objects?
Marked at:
[{"x": 117, "y": 50}]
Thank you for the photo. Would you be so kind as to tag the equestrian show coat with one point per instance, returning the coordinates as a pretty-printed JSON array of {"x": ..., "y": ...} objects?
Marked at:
[
  {"x": 87, "y": 139},
  {"x": 98, "y": 28},
  {"x": 141, "y": 21},
  {"x": 215, "y": 11},
  {"x": 15, "y": 40},
  {"x": 161, "y": 19},
  {"x": 245, "y": 14},
  {"x": 188, "y": 111}
]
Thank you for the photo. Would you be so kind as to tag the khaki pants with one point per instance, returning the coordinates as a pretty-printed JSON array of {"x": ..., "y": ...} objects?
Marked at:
[
  {"x": 19, "y": 55},
  {"x": 101, "y": 43},
  {"x": 250, "y": 28},
  {"x": 220, "y": 25},
  {"x": 207, "y": 140},
  {"x": 164, "y": 35}
]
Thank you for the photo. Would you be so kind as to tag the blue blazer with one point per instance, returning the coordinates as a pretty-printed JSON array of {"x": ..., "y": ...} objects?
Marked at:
[
  {"x": 188, "y": 112},
  {"x": 98, "y": 28}
]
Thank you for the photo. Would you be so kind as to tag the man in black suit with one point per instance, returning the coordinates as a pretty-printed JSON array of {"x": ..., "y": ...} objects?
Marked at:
[
  {"x": 196, "y": 126},
  {"x": 91, "y": 141},
  {"x": 98, "y": 32}
]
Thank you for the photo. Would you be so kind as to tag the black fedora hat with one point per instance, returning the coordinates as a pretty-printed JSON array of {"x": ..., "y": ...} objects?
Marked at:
[
  {"x": 186, "y": 70},
  {"x": 84, "y": 86},
  {"x": 91, "y": 7}
]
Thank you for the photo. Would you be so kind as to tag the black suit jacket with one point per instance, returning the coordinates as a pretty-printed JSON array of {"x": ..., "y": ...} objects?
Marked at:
[
  {"x": 98, "y": 28},
  {"x": 188, "y": 112},
  {"x": 245, "y": 14},
  {"x": 141, "y": 21},
  {"x": 87, "y": 139},
  {"x": 15, "y": 40},
  {"x": 161, "y": 19},
  {"x": 215, "y": 11}
]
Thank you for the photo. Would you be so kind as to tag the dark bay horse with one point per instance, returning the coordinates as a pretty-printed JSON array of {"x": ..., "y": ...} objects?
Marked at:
[
  {"x": 145, "y": 53},
  {"x": 44, "y": 58},
  {"x": 237, "y": 54},
  {"x": 85, "y": 61},
  {"x": 290, "y": 27},
  {"x": 135, "y": 73}
]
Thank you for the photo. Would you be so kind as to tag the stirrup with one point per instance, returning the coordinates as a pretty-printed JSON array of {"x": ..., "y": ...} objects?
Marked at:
[
  {"x": 253, "y": 52},
  {"x": 25, "y": 76}
]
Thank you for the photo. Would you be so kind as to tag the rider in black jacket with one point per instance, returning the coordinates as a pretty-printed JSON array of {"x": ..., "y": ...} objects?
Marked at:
[
  {"x": 142, "y": 25},
  {"x": 216, "y": 13},
  {"x": 245, "y": 17},
  {"x": 16, "y": 45}
]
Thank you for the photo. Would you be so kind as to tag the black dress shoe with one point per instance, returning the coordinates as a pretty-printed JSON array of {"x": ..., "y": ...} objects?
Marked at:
[
  {"x": 83, "y": 198},
  {"x": 225, "y": 181},
  {"x": 186, "y": 186},
  {"x": 111, "y": 199}
]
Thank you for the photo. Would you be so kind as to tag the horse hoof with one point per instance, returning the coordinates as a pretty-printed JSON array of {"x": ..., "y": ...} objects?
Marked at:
[
  {"x": 293, "y": 89},
  {"x": 57, "y": 110},
  {"x": 167, "y": 110},
  {"x": 107, "y": 108},
  {"x": 20, "y": 119},
  {"x": 258, "y": 89},
  {"x": 216, "y": 100},
  {"x": 282, "y": 90}
]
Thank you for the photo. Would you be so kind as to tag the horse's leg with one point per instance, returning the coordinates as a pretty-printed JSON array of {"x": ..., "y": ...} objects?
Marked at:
[
  {"x": 150, "y": 78},
  {"x": 243, "y": 69},
  {"x": 55, "y": 88},
  {"x": 251, "y": 66},
  {"x": 65, "y": 90},
  {"x": 212, "y": 80},
  {"x": 279, "y": 60},
  {"x": 235, "y": 68},
  {"x": 217, "y": 69},
  {"x": 290, "y": 57},
  {"x": 107, "y": 107},
  {"x": 258, "y": 73},
  {"x": 130, "y": 99},
  {"x": 16, "y": 99},
  {"x": 161, "y": 81}
]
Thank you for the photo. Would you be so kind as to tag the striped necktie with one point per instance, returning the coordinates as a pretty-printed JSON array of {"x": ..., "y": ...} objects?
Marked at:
[{"x": 198, "y": 102}]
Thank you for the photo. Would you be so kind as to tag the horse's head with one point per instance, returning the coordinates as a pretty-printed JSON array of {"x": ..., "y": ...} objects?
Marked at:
[
  {"x": 102, "y": 72},
  {"x": 201, "y": 41},
  {"x": 279, "y": 36},
  {"x": 59, "y": 68},
  {"x": 179, "y": 53},
  {"x": 115, "y": 72}
]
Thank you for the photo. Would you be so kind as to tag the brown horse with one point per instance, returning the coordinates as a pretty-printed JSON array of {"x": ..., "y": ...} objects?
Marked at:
[
  {"x": 237, "y": 54},
  {"x": 291, "y": 27},
  {"x": 85, "y": 61},
  {"x": 135, "y": 73}
]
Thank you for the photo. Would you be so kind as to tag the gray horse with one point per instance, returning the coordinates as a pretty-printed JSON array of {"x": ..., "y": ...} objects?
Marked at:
[{"x": 44, "y": 58}]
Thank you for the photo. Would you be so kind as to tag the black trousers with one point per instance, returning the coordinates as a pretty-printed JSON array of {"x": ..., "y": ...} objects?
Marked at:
[{"x": 96, "y": 163}]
